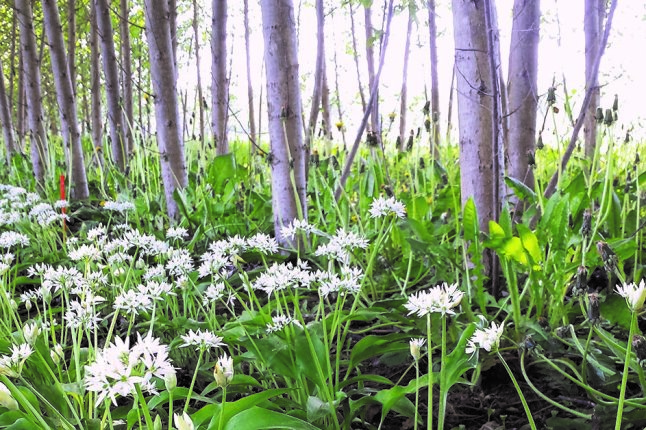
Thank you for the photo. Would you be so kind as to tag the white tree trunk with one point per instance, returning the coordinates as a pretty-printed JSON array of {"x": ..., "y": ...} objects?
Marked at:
[
  {"x": 5, "y": 119},
  {"x": 592, "y": 27},
  {"x": 164, "y": 79},
  {"x": 116, "y": 118},
  {"x": 31, "y": 69},
  {"x": 220, "y": 79},
  {"x": 284, "y": 111},
  {"x": 66, "y": 101}
]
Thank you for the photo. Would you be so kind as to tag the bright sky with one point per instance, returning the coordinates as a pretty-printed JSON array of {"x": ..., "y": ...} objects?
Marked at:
[{"x": 621, "y": 73}]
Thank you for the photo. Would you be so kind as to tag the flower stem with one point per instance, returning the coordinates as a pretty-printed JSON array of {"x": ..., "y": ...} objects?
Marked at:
[
  {"x": 224, "y": 402},
  {"x": 190, "y": 389},
  {"x": 532, "y": 424},
  {"x": 624, "y": 378},
  {"x": 430, "y": 372},
  {"x": 442, "y": 409}
]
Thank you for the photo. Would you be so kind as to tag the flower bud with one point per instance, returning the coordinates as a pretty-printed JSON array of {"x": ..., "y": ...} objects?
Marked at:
[
  {"x": 223, "y": 371},
  {"x": 6, "y": 399},
  {"x": 30, "y": 332},
  {"x": 415, "y": 348},
  {"x": 183, "y": 422},
  {"x": 171, "y": 380}
]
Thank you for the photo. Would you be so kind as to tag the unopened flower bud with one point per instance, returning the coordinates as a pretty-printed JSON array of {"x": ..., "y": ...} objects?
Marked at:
[
  {"x": 607, "y": 255},
  {"x": 609, "y": 118},
  {"x": 183, "y": 422},
  {"x": 30, "y": 332},
  {"x": 6, "y": 399},
  {"x": 223, "y": 371},
  {"x": 171, "y": 380},
  {"x": 57, "y": 353},
  {"x": 586, "y": 226},
  {"x": 416, "y": 347},
  {"x": 593, "y": 307}
]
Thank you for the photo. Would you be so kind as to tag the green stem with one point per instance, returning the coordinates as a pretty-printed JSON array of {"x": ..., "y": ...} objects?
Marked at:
[
  {"x": 416, "y": 392},
  {"x": 532, "y": 424},
  {"x": 224, "y": 402},
  {"x": 144, "y": 407},
  {"x": 430, "y": 372},
  {"x": 442, "y": 409},
  {"x": 190, "y": 388},
  {"x": 624, "y": 378}
]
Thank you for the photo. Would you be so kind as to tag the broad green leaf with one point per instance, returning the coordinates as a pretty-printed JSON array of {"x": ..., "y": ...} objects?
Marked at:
[
  {"x": 317, "y": 409},
  {"x": 521, "y": 190},
  {"x": 497, "y": 236},
  {"x": 372, "y": 346},
  {"x": 530, "y": 243},
  {"x": 23, "y": 424},
  {"x": 9, "y": 417},
  {"x": 232, "y": 409},
  {"x": 221, "y": 171},
  {"x": 470, "y": 221},
  {"x": 256, "y": 418}
]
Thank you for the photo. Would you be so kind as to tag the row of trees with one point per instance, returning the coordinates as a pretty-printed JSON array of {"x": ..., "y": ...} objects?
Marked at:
[{"x": 497, "y": 119}]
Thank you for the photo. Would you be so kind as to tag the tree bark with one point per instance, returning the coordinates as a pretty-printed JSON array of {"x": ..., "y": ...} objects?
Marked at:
[
  {"x": 71, "y": 41},
  {"x": 593, "y": 29},
  {"x": 5, "y": 118},
  {"x": 126, "y": 74},
  {"x": 200, "y": 95},
  {"x": 284, "y": 113},
  {"x": 164, "y": 80},
  {"x": 111, "y": 75},
  {"x": 355, "y": 56},
  {"x": 252, "y": 119},
  {"x": 370, "y": 59},
  {"x": 522, "y": 89},
  {"x": 435, "y": 83},
  {"x": 403, "y": 108},
  {"x": 66, "y": 101},
  {"x": 480, "y": 159},
  {"x": 220, "y": 79},
  {"x": 318, "y": 76},
  {"x": 31, "y": 69},
  {"x": 95, "y": 87}
]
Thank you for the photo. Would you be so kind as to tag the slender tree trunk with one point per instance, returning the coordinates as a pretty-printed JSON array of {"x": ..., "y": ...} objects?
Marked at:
[
  {"x": 326, "y": 123},
  {"x": 403, "y": 108},
  {"x": 340, "y": 122},
  {"x": 355, "y": 56},
  {"x": 126, "y": 74},
  {"x": 66, "y": 101},
  {"x": 479, "y": 116},
  {"x": 14, "y": 54},
  {"x": 288, "y": 167},
  {"x": 220, "y": 79},
  {"x": 164, "y": 80},
  {"x": 200, "y": 95},
  {"x": 71, "y": 41},
  {"x": 5, "y": 119},
  {"x": 370, "y": 59},
  {"x": 593, "y": 29},
  {"x": 318, "y": 76},
  {"x": 116, "y": 118},
  {"x": 435, "y": 83},
  {"x": 252, "y": 119},
  {"x": 95, "y": 87},
  {"x": 172, "y": 18},
  {"x": 521, "y": 88},
  {"x": 21, "y": 107},
  {"x": 31, "y": 69}
]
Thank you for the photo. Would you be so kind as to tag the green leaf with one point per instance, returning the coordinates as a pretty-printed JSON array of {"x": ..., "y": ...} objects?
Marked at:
[
  {"x": 232, "y": 409},
  {"x": 222, "y": 170},
  {"x": 256, "y": 418},
  {"x": 530, "y": 243},
  {"x": 521, "y": 190},
  {"x": 372, "y": 346},
  {"x": 317, "y": 409},
  {"x": 497, "y": 236},
  {"x": 470, "y": 221}
]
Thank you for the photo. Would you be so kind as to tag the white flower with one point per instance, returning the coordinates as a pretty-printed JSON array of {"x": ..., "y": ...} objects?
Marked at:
[
  {"x": 634, "y": 295},
  {"x": 488, "y": 339},
  {"x": 416, "y": 347},
  {"x": 31, "y": 332},
  {"x": 382, "y": 207},
  {"x": 85, "y": 253},
  {"x": 213, "y": 293},
  {"x": 183, "y": 422},
  {"x": 202, "y": 339},
  {"x": 178, "y": 233},
  {"x": 6, "y": 399},
  {"x": 119, "y": 206},
  {"x": 341, "y": 245},
  {"x": 61, "y": 204},
  {"x": 263, "y": 243},
  {"x": 441, "y": 299},
  {"x": 279, "y": 322},
  {"x": 11, "y": 238},
  {"x": 180, "y": 262},
  {"x": 132, "y": 301},
  {"x": 223, "y": 371},
  {"x": 296, "y": 225},
  {"x": 11, "y": 365}
]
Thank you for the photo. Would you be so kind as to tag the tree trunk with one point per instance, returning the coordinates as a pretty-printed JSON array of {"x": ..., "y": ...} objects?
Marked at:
[
  {"x": 370, "y": 59},
  {"x": 71, "y": 41},
  {"x": 126, "y": 74},
  {"x": 164, "y": 80},
  {"x": 21, "y": 108},
  {"x": 435, "y": 84},
  {"x": 478, "y": 114},
  {"x": 220, "y": 79},
  {"x": 318, "y": 76},
  {"x": 355, "y": 56},
  {"x": 252, "y": 119},
  {"x": 284, "y": 113},
  {"x": 31, "y": 69},
  {"x": 200, "y": 95},
  {"x": 326, "y": 123},
  {"x": 5, "y": 119},
  {"x": 66, "y": 101},
  {"x": 592, "y": 27},
  {"x": 95, "y": 87},
  {"x": 172, "y": 19},
  {"x": 111, "y": 75},
  {"x": 403, "y": 108},
  {"x": 521, "y": 89}
]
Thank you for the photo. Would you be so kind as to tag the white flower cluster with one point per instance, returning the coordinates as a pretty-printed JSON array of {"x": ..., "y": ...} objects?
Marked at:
[
  {"x": 441, "y": 299},
  {"x": 634, "y": 294},
  {"x": 120, "y": 207},
  {"x": 203, "y": 340},
  {"x": 119, "y": 369},
  {"x": 10, "y": 239},
  {"x": 279, "y": 322},
  {"x": 281, "y": 276},
  {"x": 382, "y": 207},
  {"x": 341, "y": 245},
  {"x": 488, "y": 339},
  {"x": 295, "y": 226},
  {"x": 11, "y": 365}
]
